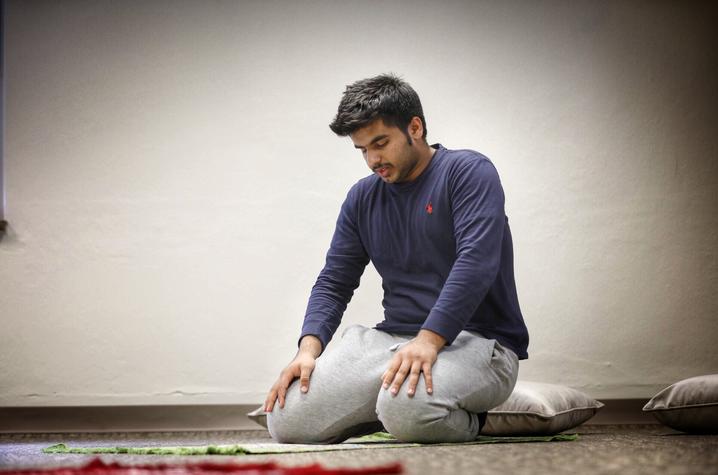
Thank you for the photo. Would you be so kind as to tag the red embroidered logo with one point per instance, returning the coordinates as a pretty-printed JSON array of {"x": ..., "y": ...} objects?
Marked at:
[{"x": 429, "y": 208}]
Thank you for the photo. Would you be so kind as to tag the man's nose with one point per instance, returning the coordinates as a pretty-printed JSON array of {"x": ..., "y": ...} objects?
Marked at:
[{"x": 373, "y": 159}]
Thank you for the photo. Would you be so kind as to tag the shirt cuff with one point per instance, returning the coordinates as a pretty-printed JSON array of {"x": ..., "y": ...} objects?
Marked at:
[
  {"x": 442, "y": 325},
  {"x": 318, "y": 330}
]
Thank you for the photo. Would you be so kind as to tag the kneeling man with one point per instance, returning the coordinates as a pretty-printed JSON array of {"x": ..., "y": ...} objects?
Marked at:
[{"x": 432, "y": 222}]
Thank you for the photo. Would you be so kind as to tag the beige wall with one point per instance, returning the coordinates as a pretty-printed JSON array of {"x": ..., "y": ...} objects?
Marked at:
[{"x": 172, "y": 184}]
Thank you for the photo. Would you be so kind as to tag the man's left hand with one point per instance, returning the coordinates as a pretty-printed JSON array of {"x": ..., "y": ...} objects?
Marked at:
[{"x": 416, "y": 357}]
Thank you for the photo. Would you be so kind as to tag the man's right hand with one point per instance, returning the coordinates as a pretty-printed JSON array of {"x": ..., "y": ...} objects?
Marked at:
[{"x": 310, "y": 347}]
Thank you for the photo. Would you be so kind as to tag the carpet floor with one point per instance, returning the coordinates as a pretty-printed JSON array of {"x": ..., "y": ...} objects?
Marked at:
[{"x": 600, "y": 449}]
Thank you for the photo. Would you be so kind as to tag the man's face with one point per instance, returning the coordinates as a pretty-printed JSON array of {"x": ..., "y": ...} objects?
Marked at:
[{"x": 387, "y": 151}]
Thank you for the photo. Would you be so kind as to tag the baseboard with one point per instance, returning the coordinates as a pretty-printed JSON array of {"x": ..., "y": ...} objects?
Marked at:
[
  {"x": 623, "y": 411},
  {"x": 126, "y": 418},
  {"x": 205, "y": 417}
]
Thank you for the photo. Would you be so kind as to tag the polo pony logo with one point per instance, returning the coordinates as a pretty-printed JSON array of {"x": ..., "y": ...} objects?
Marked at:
[{"x": 429, "y": 208}]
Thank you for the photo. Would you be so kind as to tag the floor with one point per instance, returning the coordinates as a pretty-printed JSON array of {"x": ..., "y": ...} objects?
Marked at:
[{"x": 600, "y": 449}]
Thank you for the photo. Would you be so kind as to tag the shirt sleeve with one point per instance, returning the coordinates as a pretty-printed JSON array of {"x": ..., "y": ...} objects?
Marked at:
[
  {"x": 477, "y": 201},
  {"x": 344, "y": 266}
]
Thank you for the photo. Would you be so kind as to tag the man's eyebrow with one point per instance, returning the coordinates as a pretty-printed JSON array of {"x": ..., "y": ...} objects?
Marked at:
[{"x": 374, "y": 140}]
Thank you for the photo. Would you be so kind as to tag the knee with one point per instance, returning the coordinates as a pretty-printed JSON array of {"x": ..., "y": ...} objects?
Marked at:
[
  {"x": 420, "y": 419},
  {"x": 304, "y": 419},
  {"x": 293, "y": 424},
  {"x": 284, "y": 426},
  {"x": 289, "y": 426}
]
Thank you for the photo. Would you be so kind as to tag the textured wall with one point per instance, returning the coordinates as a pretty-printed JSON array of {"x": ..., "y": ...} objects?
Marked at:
[{"x": 172, "y": 184}]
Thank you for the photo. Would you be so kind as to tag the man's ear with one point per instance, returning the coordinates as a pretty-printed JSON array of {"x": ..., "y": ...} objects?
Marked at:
[{"x": 416, "y": 128}]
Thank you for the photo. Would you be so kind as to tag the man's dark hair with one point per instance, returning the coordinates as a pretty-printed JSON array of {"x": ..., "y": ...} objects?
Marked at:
[{"x": 385, "y": 97}]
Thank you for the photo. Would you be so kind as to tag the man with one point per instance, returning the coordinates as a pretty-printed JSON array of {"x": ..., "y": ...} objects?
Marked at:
[{"x": 432, "y": 222}]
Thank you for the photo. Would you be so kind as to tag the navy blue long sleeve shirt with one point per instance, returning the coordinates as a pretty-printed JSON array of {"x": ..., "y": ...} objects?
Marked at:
[{"x": 443, "y": 249}]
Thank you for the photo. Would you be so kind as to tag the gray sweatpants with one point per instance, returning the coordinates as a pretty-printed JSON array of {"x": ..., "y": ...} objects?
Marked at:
[{"x": 345, "y": 396}]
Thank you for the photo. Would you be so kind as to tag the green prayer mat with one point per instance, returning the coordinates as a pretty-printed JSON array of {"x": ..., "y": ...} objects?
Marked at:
[{"x": 376, "y": 440}]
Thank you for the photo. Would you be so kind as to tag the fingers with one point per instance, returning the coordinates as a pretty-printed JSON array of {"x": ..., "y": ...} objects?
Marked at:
[
  {"x": 278, "y": 391},
  {"x": 428, "y": 379},
  {"x": 388, "y": 375},
  {"x": 400, "y": 376},
  {"x": 306, "y": 372},
  {"x": 301, "y": 370},
  {"x": 271, "y": 398},
  {"x": 285, "y": 379},
  {"x": 413, "y": 378},
  {"x": 411, "y": 374},
  {"x": 282, "y": 394},
  {"x": 407, "y": 365}
]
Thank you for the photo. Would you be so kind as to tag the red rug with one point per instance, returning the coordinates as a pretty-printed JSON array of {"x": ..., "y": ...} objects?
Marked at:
[{"x": 98, "y": 467}]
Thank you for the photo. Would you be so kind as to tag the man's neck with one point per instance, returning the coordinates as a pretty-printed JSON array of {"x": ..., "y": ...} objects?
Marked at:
[{"x": 426, "y": 153}]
